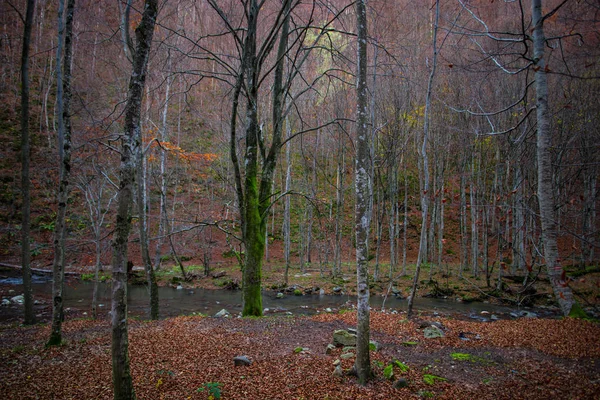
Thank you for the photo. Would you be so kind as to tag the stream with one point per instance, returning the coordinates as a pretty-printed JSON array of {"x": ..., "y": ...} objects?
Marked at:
[{"x": 173, "y": 302}]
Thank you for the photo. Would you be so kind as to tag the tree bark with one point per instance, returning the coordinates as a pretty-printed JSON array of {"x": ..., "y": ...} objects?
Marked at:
[
  {"x": 544, "y": 166},
  {"x": 362, "y": 364},
  {"x": 425, "y": 195},
  {"x": 64, "y": 144},
  {"x": 29, "y": 318},
  {"x": 122, "y": 381}
]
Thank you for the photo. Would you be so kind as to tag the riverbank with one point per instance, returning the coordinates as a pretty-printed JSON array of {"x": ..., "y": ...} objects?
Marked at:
[{"x": 192, "y": 358}]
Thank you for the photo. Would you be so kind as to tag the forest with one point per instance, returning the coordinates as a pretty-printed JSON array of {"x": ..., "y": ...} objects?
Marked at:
[{"x": 385, "y": 153}]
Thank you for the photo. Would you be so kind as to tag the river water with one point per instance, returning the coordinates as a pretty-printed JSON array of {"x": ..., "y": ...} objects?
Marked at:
[{"x": 173, "y": 302}]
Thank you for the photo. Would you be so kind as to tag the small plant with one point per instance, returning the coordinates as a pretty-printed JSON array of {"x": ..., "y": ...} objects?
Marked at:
[
  {"x": 431, "y": 379},
  {"x": 425, "y": 394},
  {"x": 462, "y": 357},
  {"x": 388, "y": 372},
  {"x": 298, "y": 350},
  {"x": 403, "y": 367},
  {"x": 213, "y": 389},
  {"x": 297, "y": 292}
]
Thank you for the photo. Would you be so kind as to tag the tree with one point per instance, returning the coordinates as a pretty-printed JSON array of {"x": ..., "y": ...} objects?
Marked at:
[
  {"x": 130, "y": 145},
  {"x": 29, "y": 318},
  {"x": 254, "y": 194},
  {"x": 425, "y": 168},
  {"x": 362, "y": 364},
  {"x": 545, "y": 193},
  {"x": 64, "y": 145}
]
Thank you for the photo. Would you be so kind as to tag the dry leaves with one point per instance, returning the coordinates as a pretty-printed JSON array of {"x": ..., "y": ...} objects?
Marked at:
[{"x": 172, "y": 359}]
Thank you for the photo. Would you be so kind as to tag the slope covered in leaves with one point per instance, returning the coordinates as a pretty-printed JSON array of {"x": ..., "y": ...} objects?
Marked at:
[{"x": 191, "y": 357}]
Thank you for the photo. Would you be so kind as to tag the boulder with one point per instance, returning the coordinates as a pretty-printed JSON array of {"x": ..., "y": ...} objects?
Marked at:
[
  {"x": 347, "y": 356},
  {"x": 432, "y": 332},
  {"x": 337, "y": 289},
  {"x": 342, "y": 337},
  {"x": 241, "y": 361},
  {"x": 329, "y": 348},
  {"x": 401, "y": 383},
  {"x": 374, "y": 346},
  {"x": 279, "y": 295},
  {"x": 5, "y": 302},
  {"x": 222, "y": 314},
  {"x": 17, "y": 299},
  {"x": 338, "y": 371}
]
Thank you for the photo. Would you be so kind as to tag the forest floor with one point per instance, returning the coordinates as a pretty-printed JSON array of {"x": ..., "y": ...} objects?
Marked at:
[{"x": 191, "y": 357}]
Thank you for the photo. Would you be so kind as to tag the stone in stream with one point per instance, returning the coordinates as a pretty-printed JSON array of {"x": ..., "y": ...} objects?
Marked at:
[
  {"x": 241, "y": 361},
  {"x": 343, "y": 338},
  {"x": 279, "y": 295}
]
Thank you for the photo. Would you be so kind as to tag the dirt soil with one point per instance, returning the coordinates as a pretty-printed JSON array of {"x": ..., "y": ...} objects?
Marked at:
[{"x": 192, "y": 358}]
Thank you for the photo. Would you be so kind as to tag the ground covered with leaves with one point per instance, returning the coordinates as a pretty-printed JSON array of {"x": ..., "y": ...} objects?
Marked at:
[{"x": 192, "y": 358}]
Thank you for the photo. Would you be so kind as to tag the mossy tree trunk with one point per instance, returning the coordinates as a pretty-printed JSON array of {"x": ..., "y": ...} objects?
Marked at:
[{"x": 122, "y": 380}]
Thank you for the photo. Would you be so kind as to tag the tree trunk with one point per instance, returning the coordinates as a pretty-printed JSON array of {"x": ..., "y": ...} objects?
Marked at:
[
  {"x": 544, "y": 167},
  {"x": 425, "y": 195},
  {"x": 29, "y": 318},
  {"x": 64, "y": 144},
  {"x": 286, "y": 211},
  {"x": 122, "y": 381},
  {"x": 362, "y": 364}
]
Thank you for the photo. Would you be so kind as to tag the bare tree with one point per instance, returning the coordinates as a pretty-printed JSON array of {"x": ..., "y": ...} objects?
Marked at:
[
  {"x": 64, "y": 145},
  {"x": 425, "y": 167},
  {"x": 545, "y": 196},
  {"x": 25, "y": 156},
  {"x": 122, "y": 382},
  {"x": 362, "y": 364}
]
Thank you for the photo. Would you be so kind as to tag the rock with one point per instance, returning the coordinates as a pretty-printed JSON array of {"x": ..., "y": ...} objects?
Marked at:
[
  {"x": 401, "y": 383},
  {"x": 352, "y": 331},
  {"x": 5, "y": 302},
  {"x": 179, "y": 287},
  {"x": 279, "y": 295},
  {"x": 328, "y": 310},
  {"x": 337, "y": 289},
  {"x": 338, "y": 371},
  {"x": 347, "y": 356},
  {"x": 336, "y": 362},
  {"x": 344, "y": 338},
  {"x": 347, "y": 349},
  {"x": 396, "y": 291},
  {"x": 322, "y": 292},
  {"x": 223, "y": 313},
  {"x": 514, "y": 315},
  {"x": 219, "y": 274},
  {"x": 432, "y": 332},
  {"x": 241, "y": 361},
  {"x": 374, "y": 346},
  {"x": 17, "y": 299},
  {"x": 329, "y": 348},
  {"x": 494, "y": 317},
  {"x": 528, "y": 314},
  {"x": 266, "y": 310}
]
